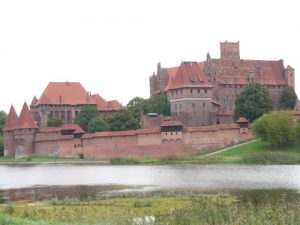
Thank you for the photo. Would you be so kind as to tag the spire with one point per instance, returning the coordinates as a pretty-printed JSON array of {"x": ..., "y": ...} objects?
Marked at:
[
  {"x": 12, "y": 120},
  {"x": 34, "y": 100},
  {"x": 26, "y": 120}
]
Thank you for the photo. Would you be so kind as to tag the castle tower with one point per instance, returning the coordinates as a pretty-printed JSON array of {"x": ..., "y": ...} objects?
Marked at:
[
  {"x": 24, "y": 133},
  {"x": 8, "y": 132},
  {"x": 230, "y": 50},
  {"x": 290, "y": 76}
]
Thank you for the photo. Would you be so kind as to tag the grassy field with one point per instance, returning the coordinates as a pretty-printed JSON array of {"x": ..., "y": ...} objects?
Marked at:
[
  {"x": 260, "y": 152},
  {"x": 164, "y": 208}
]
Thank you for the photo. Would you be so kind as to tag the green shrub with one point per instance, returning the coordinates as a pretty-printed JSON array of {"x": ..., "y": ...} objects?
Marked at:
[
  {"x": 275, "y": 128},
  {"x": 169, "y": 159}
]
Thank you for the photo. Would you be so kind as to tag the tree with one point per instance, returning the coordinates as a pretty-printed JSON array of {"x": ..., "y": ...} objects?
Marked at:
[
  {"x": 123, "y": 120},
  {"x": 87, "y": 113},
  {"x": 253, "y": 102},
  {"x": 136, "y": 106},
  {"x": 55, "y": 122},
  {"x": 98, "y": 124},
  {"x": 275, "y": 128},
  {"x": 288, "y": 98},
  {"x": 3, "y": 117},
  {"x": 1, "y": 146},
  {"x": 159, "y": 104}
]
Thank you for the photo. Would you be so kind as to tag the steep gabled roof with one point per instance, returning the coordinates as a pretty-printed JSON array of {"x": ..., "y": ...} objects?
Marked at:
[
  {"x": 103, "y": 105},
  {"x": 11, "y": 121},
  {"x": 189, "y": 74},
  {"x": 68, "y": 93},
  {"x": 25, "y": 120}
]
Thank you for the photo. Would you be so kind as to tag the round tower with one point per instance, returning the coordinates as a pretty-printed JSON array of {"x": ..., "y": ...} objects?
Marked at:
[{"x": 24, "y": 133}]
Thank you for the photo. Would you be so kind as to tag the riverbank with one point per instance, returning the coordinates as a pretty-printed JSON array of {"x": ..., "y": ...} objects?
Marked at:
[
  {"x": 253, "y": 152},
  {"x": 156, "y": 208}
]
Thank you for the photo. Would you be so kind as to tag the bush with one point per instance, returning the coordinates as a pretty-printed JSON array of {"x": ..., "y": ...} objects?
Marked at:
[{"x": 275, "y": 128}]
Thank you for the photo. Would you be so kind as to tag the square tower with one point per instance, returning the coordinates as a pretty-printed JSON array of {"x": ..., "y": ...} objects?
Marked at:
[{"x": 230, "y": 50}]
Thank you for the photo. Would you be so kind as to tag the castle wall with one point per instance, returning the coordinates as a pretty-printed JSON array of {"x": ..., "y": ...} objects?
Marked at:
[{"x": 138, "y": 143}]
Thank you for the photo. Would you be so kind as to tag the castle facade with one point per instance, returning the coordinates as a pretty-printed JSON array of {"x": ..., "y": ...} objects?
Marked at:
[
  {"x": 64, "y": 100},
  {"x": 204, "y": 93}
]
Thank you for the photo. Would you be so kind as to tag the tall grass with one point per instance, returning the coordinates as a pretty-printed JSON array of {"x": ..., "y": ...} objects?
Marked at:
[{"x": 283, "y": 158}]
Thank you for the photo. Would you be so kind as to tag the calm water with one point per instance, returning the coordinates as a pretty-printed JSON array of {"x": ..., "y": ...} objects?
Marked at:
[{"x": 203, "y": 178}]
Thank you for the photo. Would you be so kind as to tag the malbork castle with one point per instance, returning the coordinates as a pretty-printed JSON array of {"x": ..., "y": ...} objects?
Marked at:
[{"x": 204, "y": 93}]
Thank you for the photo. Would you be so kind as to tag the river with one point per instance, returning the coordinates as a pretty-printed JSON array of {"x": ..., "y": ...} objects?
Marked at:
[{"x": 200, "y": 178}]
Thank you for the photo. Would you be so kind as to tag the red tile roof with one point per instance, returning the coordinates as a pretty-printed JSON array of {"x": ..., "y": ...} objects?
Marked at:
[
  {"x": 171, "y": 123},
  {"x": 75, "y": 127},
  {"x": 189, "y": 74},
  {"x": 238, "y": 71},
  {"x": 11, "y": 121},
  {"x": 25, "y": 120},
  {"x": 70, "y": 93},
  {"x": 103, "y": 105},
  {"x": 151, "y": 121}
]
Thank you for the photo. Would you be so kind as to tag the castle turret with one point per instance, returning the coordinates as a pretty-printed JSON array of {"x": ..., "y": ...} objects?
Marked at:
[
  {"x": 290, "y": 76},
  {"x": 8, "y": 132},
  {"x": 24, "y": 133}
]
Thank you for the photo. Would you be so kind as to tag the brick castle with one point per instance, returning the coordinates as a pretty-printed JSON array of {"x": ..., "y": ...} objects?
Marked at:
[
  {"x": 201, "y": 95},
  {"x": 204, "y": 93}
]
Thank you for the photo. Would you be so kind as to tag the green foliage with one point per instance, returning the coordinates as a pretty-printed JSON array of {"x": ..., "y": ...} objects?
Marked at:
[
  {"x": 123, "y": 120},
  {"x": 123, "y": 161},
  {"x": 296, "y": 132},
  {"x": 275, "y": 128},
  {"x": 137, "y": 106},
  {"x": 253, "y": 102},
  {"x": 288, "y": 98},
  {"x": 1, "y": 145},
  {"x": 55, "y": 122},
  {"x": 159, "y": 104},
  {"x": 282, "y": 158},
  {"x": 87, "y": 113},
  {"x": 98, "y": 124},
  {"x": 3, "y": 117}
]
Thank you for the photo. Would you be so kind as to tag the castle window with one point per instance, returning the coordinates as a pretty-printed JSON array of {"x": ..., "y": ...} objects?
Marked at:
[
  {"x": 198, "y": 90},
  {"x": 191, "y": 91},
  {"x": 205, "y": 90},
  {"x": 181, "y": 91},
  {"x": 193, "y": 104},
  {"x": 203, "y": 104}
]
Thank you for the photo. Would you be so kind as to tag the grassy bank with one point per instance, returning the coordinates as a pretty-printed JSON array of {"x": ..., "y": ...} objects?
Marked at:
[
  {"x": 261, "y": 152},
  {"x": 48, "y": 159},
  {"x": 166, "y": 208}
]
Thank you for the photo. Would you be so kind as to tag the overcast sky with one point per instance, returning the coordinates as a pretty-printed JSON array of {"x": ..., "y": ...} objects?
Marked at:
[{"x": 113, "y": 46}]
